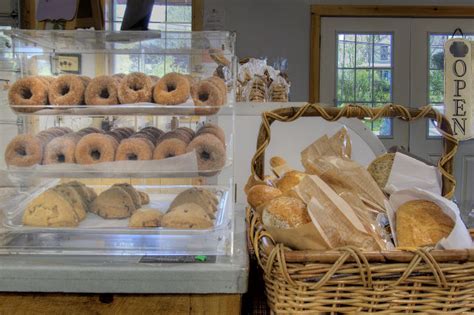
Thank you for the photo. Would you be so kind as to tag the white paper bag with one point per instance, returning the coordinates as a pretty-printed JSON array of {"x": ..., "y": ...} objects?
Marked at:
[
  {"x": 408, "y": 173},
  {"x": 459, "y": 238}
]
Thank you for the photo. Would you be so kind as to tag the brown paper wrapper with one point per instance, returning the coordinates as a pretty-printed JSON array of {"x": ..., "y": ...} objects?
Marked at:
[{"x": 304, "y": 237}]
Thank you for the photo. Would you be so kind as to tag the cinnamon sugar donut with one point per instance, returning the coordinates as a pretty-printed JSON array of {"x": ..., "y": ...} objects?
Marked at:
[
  {"x": 181, "y": 135},
  {"x": 31, "y": 91},
  {"x": 102, "y": 90},
  {"x": 212, "y": 129},
  {"x": 95, "y": 148},
  {"x": 207, "y": 93},
  {"x": 221, "y": 85},
  {"x": 62, "y": 149},
  {"x": 120, "y": 133},
  {"x": 169, "y": 148},
  {"x": 27, "y": 150},
  {"x": 67, "y": 89},
  {"x": 135, "y": 87},
  {"x": 135, "y": 149},
  {"x": 153, "y": 133},
  {"x": 172, "y": 89},
  {"x": 85, "y": 79},
  {"x": 210, "y": 151}
]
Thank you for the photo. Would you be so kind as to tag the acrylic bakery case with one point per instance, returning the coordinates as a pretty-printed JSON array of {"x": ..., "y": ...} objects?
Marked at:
[{"x": 117, "y": 143}]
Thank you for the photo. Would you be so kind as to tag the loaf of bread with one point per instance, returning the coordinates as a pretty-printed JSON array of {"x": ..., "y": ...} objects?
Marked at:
[
  {"x": 260, "y": 194},
  {"x": 285, "y": 212},
  {"x": 421, "y": 223}
]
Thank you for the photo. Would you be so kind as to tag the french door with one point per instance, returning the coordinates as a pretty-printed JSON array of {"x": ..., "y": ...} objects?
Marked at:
[{"x": 372, "y": 60}]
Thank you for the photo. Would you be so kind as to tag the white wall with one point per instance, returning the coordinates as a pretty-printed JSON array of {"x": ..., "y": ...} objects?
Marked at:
[{"x": 281, "y": 28}]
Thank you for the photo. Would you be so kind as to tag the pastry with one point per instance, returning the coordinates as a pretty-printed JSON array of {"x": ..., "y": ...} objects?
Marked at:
[
  {"x": 202, "y": 197},
  {"x": 132, "y": 192},
  {"x": 285, "y": 212},
  {"x": 113, "y": 203},
  {"x": 50, "y": 209},
  {"x": 260, "y": 194},
  {"x": 421, "y": 223},
  {"x": 212, "y": 129},
  {"x": 28, "y": 150},
  {"x": 145, "y": 218},
  {"x": 78, "y": 203},
  {"x": 95, "y": 148},
  {"x": 102, "y": 90},
  {"x": 187, "y": 216},
  {"x": 210, "y": 152},
  {"x": 171, "y": 89},
  {"x": 67, "y": 89},
  {"x": 135, "y": 87},
  {"x": 31, "y": 91}
]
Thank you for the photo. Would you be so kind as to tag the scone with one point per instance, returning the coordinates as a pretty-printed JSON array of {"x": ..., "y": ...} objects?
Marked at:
[
  {"x": 50, "y": 209},
  {"x": 144, "y": 198},
  {"x": 285, "y": 212},
  {"x": 132, "y": 192},
  {"x": 260, "y": 194},
  {"x": 187, "y": 216},
  {"x": 88, "y": 194},
  {"x": 145, "y": 218},
  {"x": 202, "y": 197},
  {"x": 421, "y": 223},
  {"x": 113, "y": 203},
  {"x": 78, "y": 203}
]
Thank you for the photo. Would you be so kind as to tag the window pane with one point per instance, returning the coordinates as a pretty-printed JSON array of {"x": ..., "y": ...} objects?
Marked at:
[
  {"x": 179, "y": 13},
  {"x": 346, "y": 51},
  {"x": 158, "y": 14},
  {"x": 155, "y": 65},
  {"x": 383, "y": 85},
  {"x": 364, "y": 73},
  {"x": 364, "y": 85},
  {"x": 345, "y": 85}
]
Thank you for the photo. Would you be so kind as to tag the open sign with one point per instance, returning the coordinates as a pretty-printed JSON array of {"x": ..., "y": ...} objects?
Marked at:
[{"x": 458, "y": 86}]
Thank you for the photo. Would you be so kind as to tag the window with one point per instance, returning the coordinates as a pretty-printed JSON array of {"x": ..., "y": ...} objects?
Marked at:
[
  {"x": 364, "y": 74},
  {"x": 436, "y": 75},
  {"x": 167, "y": 15}
]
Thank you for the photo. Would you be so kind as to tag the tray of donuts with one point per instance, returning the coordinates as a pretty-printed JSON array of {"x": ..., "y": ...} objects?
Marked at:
[
  {"x": 120, "y": 152},
  {"x": 135, "y": 93},
  {"x": 72, "y": 204}
]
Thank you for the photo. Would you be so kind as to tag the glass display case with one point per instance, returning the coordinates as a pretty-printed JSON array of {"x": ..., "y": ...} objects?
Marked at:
[{"x": 117, "y": 143}]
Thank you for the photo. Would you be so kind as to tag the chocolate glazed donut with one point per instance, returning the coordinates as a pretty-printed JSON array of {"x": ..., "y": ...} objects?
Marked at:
[
  {"x": 95, "y": 148},
  {"x": 210, "y": 152},
  {"x": 135, "y": 87},
  {"x": 172, "y": 89},
  {"x": 27, "y": 150},
  {"x": 67, "y": 90},
  {"x": 102, "y": 90},
  {"x": 62, "y": 149},
  {"x": 30, "y": 91}
]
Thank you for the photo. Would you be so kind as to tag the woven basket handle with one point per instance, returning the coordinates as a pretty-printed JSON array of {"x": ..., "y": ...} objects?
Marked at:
[{"x": 289, "y": 114}]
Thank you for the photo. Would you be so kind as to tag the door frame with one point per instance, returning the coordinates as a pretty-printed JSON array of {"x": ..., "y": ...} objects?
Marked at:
[{"x": 319, "y": 11}]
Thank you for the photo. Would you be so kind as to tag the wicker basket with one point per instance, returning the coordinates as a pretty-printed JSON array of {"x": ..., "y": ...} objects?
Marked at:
[{"x": 349, "y": 280}]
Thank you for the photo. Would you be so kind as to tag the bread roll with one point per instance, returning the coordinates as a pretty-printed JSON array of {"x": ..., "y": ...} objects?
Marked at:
[
  {"x": 260, "y": 194},
  {"x": 285, "y": 212},
  {"x": 277, "y": 161},
  {"x": 289, "y": 180},
  {"x": 254, "y": 180},
  {"x": 421, "y": 223}
]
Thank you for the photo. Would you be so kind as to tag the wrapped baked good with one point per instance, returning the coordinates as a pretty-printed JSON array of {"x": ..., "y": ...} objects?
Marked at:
[{"x": 285, "y": 212}]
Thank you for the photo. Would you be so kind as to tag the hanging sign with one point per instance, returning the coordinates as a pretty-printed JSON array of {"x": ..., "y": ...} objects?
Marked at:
[{"x": 458, "y": 86}]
